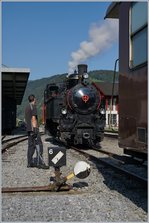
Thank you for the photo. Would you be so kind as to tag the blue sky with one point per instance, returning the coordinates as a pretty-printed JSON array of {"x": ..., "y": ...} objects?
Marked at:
[{"x": 42, "y": 36}]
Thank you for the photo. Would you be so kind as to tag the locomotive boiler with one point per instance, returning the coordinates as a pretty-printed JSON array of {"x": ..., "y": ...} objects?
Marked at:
[{"x": 75, "y": 109}]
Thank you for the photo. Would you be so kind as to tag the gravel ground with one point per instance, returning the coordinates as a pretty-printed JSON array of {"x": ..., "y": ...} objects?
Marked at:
[{"x": 101, "y": 197}]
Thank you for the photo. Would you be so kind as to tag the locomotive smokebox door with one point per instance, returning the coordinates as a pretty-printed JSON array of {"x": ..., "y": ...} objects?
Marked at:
[{"x": 57, "y": 156}]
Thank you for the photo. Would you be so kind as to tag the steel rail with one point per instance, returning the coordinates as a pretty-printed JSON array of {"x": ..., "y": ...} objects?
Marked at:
[
  {"x": 123, "y": 159},
  {"x": 131, "y": 175},
  {"x": 6, "y": 146},
  {"x": 48, "y": 188},
  {"x": 11, "y": 139},
  {"x": 111, "y": 134}
]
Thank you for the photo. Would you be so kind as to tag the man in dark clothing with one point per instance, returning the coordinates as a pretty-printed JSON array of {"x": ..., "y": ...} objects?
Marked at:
[{"x": 34, "y": 137}]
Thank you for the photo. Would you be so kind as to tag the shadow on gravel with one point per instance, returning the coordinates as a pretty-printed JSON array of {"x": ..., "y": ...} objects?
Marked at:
[
  {"x": 129, "y": 188},
  {"x": 80, "y": 184},
  {"x": 54, "y": 141}
]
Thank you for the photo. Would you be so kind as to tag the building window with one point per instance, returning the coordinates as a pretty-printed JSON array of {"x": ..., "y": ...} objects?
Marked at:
[
  {"x": 138, "y": 34},
  {"x": 113, "y": 120}
]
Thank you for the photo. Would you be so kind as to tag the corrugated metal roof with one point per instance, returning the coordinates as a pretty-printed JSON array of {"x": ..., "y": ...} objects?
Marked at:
[
  {"x": 106, "y": 88},
  {"x": 14, "y": 81}
]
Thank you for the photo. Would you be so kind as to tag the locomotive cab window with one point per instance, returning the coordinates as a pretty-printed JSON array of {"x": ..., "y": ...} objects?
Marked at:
[{"x": 138, "y": 34}]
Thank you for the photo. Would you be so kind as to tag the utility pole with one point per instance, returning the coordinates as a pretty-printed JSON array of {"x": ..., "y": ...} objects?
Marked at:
[{"x": 111, "y": 102}]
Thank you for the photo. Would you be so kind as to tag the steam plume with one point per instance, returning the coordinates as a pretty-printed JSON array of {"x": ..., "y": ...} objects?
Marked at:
[{"x": 101, "y": 37}]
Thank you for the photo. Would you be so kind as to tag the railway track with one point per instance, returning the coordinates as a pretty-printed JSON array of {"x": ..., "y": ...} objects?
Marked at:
[
  {"x": 6, "y": 144},
  {"x": 122, "y": 159},
  {"x": 12, "y": 138},
  {"x": 116, "y": 162},
  {"x": 48, "y": 188},
  {"x": 52, "y": 187},
  {"x": 111, "y": 134}
]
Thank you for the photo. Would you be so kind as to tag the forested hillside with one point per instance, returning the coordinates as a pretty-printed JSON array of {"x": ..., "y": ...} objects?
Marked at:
[{"x": 37, "y": 87}]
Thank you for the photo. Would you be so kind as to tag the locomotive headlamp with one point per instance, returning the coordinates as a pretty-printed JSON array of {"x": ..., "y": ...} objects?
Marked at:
[
  {"x": 64, "y": 111},
  {"x": 85, "y": 75},
  {"x": 102, "y": 111}
]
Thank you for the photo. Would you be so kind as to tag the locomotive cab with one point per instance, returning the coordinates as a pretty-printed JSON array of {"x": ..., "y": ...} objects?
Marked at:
[{"x": 53, "y": 100}]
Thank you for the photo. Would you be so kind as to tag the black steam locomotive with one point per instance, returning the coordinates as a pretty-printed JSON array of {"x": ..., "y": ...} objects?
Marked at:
[{"x": 75, "y": 110}]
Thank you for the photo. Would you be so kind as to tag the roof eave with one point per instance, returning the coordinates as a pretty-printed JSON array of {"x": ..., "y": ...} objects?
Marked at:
[{"x": 113, "y": 11}]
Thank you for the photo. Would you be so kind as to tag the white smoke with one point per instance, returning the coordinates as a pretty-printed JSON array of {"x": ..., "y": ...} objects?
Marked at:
[{"x": 101, "y": 37}]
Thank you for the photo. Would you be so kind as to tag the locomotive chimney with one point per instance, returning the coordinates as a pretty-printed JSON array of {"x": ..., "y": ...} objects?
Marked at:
[{"x": 82, "y": 68}]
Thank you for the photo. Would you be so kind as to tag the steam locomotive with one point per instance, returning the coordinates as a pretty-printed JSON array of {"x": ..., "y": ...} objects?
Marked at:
[{"x": 75, "y": 110}]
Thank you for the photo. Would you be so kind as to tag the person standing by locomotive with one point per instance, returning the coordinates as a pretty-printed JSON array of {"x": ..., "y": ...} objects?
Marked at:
[{"x": 33, "y": 133}]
